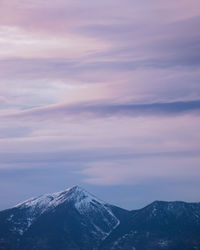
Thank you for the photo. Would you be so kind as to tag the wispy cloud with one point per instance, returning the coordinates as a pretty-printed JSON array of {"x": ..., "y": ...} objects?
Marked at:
[
  {"x": 98, "y": 109},
  {"x": 94, "y": 87}
]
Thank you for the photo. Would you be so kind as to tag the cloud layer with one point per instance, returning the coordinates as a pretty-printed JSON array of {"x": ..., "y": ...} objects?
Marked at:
[{"x": 102, "y": 94}]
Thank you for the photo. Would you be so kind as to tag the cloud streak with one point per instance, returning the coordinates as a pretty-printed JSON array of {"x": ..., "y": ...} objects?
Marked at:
[{"x": 94, "y": 109}]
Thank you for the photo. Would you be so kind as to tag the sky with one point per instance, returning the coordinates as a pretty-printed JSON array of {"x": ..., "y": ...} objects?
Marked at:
[{"x": 101, "y": 94}]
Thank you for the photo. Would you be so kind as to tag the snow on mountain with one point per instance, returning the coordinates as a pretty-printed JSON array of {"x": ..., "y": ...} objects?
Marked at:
[
  {"x": 82, "y": 201},
  {"x": 50, "y": 201},
  {"x": 85, "y": 204}
]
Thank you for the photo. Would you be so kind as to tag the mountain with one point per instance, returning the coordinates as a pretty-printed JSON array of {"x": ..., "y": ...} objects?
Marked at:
[
  {"x": 160, "y": 225},
  {"x": 71, "y": 219},
  {"x": 76, "y": 220}
]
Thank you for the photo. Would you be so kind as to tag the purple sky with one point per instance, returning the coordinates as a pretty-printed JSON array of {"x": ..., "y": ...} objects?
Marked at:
[{"x": 102, "y": 94}]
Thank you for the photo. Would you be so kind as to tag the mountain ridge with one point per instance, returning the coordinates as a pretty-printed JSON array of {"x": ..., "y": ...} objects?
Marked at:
[{"x": 74, "y": 219}]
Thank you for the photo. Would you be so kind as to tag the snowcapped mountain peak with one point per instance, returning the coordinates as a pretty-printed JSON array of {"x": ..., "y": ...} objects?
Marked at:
[
  {"x": 77, "y": 195},
  {"x": 73, "y": 199}
]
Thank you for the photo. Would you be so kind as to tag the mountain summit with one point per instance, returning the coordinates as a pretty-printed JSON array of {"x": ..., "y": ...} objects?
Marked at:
[
  {"x": 76, "y": 220},
  {"x": 81, "y": 199},
  {"x": 72, "y": 214},
  {"x": 77, "y": 199}
]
